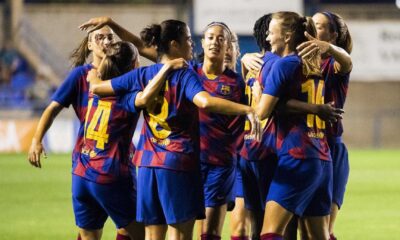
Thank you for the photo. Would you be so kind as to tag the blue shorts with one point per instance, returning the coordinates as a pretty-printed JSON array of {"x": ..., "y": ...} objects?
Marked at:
[
  {"x": 341, "y": 169},
  {"x": 257, "y": 177},
  {"x": 169, "y": 197},
  {"x": 302, "y": 186},
  {"x": 219, "y": 182},
  {"x": 93, "y": 203},
  {"x": 238, "y": 183}
]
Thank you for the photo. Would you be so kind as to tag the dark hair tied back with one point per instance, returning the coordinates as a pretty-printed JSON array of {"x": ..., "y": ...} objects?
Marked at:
[
  {"x": 160, "y": 35},
  {"x": 151, "y": 35}
]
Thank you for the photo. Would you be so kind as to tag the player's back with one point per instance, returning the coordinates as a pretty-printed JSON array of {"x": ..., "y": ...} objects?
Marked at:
[
  {"x": 170, "y": 137},
  {"x": 107, "y": 148},
  {"x": 302, "y": 136},
  {"x": 254, "y": 150}
]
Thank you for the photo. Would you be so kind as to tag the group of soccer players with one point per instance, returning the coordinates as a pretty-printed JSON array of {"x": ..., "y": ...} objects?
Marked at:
[{"x": 281, "y": 168}]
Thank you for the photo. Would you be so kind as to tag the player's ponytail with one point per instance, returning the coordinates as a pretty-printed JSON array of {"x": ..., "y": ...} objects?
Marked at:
[
  {"x": 151, "y": 35},
  {"x": 120, "y": 59},
  {"x": 81, "y": 53},
  {"x": 297, "y": 25},
  {"x": 337, "y": 24},
  {"x": 160, "y": 35}
]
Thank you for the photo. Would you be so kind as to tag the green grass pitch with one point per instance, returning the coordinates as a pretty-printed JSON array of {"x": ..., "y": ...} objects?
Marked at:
[{"x": 36, "y": 203}]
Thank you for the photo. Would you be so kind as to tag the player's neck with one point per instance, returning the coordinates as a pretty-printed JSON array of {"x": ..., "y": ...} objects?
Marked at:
[
  {"x": 214, "y": 68},
  {"x": 96, "y": 62},
  {"x": 165, "y": 58}
]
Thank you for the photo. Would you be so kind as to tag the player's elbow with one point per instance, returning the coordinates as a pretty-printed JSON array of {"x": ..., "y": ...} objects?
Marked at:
[
  {"x": 142, "y": 101},
  {"x": 94, "y": 88}
]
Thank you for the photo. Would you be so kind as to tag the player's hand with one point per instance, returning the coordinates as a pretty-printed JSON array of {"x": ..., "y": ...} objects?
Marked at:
[
  {"x": 93, "y": 76},
  {"x": 256, "y": 92},
  {"x": 312, "y": 46},
  {"x": 255, "y": 125},
  {"x": 329, "y": 113},
  {"x": 252, "y": 61},
  {"x": 36, "y": 150},
  {"x": 95, "y": 23},
  {"x": 177, "y": 63}
]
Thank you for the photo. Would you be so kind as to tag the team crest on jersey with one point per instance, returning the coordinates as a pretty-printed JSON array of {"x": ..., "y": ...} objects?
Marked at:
[{"x": 224, "y": 89}]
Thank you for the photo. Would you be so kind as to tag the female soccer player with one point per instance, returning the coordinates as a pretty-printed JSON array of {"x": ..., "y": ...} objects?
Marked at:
[
  {"x": 258, "y": 159},
  {"x": 335, "y": 44},
  {"x": 74, "y": 91},
  {"x": 169, "y": 181},
  {"x": 301, "y": 183},
  {"x": 102, "y": 154},
  {"x": 219, "y": 134}
]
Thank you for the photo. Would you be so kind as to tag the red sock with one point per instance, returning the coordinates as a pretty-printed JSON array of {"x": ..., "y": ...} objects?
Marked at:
[
  {"x": 79, "y": 237},
  {"x": 209, "y": 237},
  {"x": 240, "y": 238},
  {"x": 271, "y": 236},
  {"x": 122, "y": 237},
  {"x": 332, "y": 237}
]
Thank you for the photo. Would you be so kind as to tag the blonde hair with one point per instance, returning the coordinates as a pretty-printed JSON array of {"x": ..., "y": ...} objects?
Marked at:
[{"x": 294, "y": 23}]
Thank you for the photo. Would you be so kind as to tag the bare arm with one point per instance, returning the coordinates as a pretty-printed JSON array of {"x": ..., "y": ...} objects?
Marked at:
[
  {"x": 204, "y": 100},
  {"x": 101, "y": 88},
  {"x": 266, "y": 105},
  {"x": 145, "y": 97},
  {"x": 98, "y": 22},
  {"x": 343, "y": 63},
  {"x": 326, "y": 112},
  {"x": 46, "y": 120}
]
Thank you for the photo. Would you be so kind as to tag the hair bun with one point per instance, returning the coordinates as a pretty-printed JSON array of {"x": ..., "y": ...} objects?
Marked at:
[{"x": 151, "y": 35}]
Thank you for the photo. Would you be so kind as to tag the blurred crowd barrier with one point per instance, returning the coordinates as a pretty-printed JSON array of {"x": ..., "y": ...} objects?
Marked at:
[{"x": 372, "y": 111}]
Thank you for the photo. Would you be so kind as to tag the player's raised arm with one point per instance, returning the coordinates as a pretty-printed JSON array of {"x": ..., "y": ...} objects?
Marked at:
[
  {"x": 343, "y": 62},
  {"x": 92, "y": 24},
  {"x": 145, "y": 97},
  {"x": 36, "y": 149},
  {"x": 327, "y": 112}
]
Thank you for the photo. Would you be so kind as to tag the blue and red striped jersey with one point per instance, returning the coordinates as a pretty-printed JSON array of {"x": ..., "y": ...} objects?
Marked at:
[
  {"x": 107, "y": 148},
  {"x": 301, "y": 136},
  {"x": 253, "y": 150},
  {"x": 221, "y": 134},
  {"x": 74, "y": 91},
  {"x": 336, "y": 85},
  {"x": 170, "y": 134}
]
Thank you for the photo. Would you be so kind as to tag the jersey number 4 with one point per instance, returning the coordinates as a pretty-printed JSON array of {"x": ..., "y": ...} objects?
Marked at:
[{"x": 98, "y": 125}]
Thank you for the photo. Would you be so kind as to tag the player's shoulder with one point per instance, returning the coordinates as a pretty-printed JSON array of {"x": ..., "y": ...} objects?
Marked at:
[
  {"x": 288, "y": 62},
  {"x": 82, "y": 69}
]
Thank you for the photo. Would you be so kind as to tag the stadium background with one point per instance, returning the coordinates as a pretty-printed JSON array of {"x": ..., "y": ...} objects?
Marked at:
[{"x": 38, "y": 35}]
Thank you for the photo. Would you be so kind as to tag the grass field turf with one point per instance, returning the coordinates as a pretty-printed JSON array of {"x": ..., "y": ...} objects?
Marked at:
[{"x": 36, "y": 203}]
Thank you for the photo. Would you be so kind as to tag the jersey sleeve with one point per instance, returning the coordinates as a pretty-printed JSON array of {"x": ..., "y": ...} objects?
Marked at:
[
  {"x": 68, "y": 90},
  {"x": 127, "y": 101},
  {"x": 128, "y": 82},
  {"x": 276, "y": 80},
  {"x": 192, "y": 85}
]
